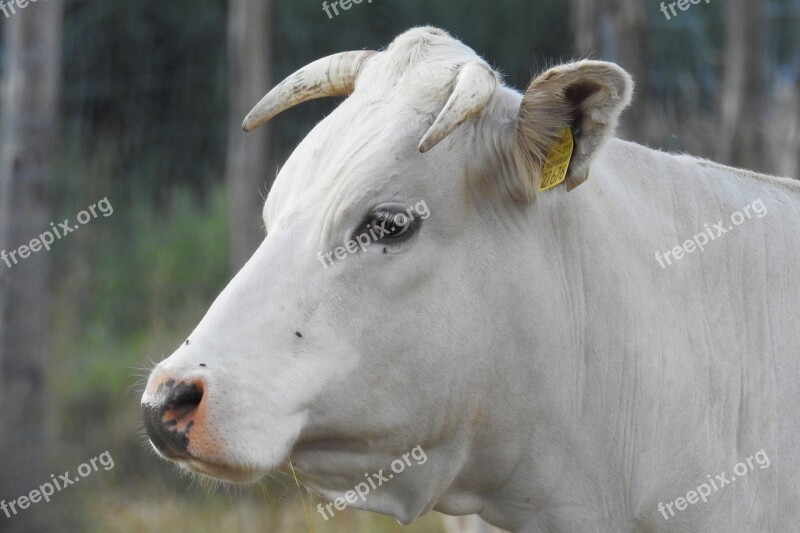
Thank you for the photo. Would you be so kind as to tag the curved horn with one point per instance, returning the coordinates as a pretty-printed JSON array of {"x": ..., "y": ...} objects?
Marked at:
[
  {"x": 330, "y": 76},
  {"x": 474, "y": 88}
]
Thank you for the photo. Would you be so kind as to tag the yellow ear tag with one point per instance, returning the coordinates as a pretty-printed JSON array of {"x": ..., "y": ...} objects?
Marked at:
[{"x": 557, "y": 162}]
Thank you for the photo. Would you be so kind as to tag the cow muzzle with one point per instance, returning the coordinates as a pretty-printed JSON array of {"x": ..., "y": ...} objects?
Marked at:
[
  {"x": 173, "y": 413},
  {"x": 181, "y": 417}
]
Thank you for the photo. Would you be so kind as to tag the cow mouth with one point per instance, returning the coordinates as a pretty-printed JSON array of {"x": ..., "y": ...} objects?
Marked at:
[
  {"x": 230, "y": 473},
  {"x": 219, "y": 471},
  {"x": 310, "y": 455},
  {"x": 320, "y": 445}
]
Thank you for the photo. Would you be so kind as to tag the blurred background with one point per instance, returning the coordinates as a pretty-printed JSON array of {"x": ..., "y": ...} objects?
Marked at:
[{"x": 141, "y": 103}]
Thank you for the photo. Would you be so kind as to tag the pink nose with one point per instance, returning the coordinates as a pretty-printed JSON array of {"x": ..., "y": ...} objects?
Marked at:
[{"x": 171, "y": 414}]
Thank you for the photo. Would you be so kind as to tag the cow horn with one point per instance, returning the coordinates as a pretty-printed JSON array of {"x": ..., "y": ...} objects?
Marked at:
[
  {"x": 334, "y": 75},
  {"x": 474, "y": 88}
]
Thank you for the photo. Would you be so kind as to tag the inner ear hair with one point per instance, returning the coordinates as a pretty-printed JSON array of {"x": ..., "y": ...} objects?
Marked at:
[
  {"x": 588, "y": 96},
  {"x": 575, "y": 95}
]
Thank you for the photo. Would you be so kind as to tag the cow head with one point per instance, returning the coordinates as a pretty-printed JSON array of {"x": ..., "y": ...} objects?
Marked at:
[{"x": 344, "y": 351}]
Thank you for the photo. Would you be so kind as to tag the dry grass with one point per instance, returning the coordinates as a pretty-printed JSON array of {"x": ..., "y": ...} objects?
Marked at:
[{"x": 116, "y": 512}]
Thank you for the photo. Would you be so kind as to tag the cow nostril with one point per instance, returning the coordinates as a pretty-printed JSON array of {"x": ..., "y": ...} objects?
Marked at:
[
  {"x": 170, "y": 416},
  {"x": 184, "y": 400}
]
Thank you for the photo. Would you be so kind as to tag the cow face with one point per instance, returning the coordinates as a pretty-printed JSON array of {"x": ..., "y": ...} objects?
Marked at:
[{"x": 374, "y": 315}]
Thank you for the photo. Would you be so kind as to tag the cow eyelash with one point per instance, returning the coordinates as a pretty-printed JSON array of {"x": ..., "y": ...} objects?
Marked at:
[{"x": 390, "y": 227}]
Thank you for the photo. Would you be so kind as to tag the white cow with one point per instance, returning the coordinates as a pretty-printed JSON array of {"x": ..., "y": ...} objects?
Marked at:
[{"x": 556, "y": 373}]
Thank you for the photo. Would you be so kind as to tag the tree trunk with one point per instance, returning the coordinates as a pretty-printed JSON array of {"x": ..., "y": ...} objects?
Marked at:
[
  {"x": 744, "y": 86},
  {"x": 632, "y": 28},
  {"x": 30, "y": 94},
  {"x": 585, "y": 24},
  {"x": 795, "y": 172},
  {"x": 619, "y": 31},
  {"x": 794, "y": 166},
  {"x": 249, "y": 171}
]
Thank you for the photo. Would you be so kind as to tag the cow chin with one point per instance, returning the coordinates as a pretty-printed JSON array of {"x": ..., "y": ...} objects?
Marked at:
[
  {"x": 227, "y": 462},
  {"x": 230, "y": 469},
  {"x": 228, "y": 473}
]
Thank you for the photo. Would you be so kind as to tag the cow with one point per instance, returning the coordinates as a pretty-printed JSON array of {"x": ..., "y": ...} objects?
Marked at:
[{"x": 577, "y": 331}]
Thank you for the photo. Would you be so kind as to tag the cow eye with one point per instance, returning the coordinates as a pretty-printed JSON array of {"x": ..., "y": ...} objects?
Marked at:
[{"x": 391, "y": 227}]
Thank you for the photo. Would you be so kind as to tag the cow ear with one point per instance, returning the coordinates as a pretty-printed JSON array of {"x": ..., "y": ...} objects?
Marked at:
[{"x": 585, "y": 96}]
